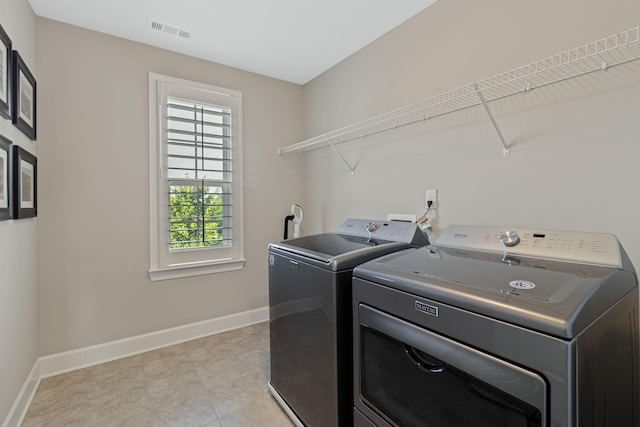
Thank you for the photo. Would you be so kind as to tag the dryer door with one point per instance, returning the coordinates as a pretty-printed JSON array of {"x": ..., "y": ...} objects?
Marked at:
[{"x": 409, "y": 376}]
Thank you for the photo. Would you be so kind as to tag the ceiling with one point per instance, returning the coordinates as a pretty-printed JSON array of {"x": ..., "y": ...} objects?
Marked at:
[{"x": 291, "y": 40}]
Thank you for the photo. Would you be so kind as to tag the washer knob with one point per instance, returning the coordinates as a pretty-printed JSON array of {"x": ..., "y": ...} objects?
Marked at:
[{"x": 510, "y": 238}]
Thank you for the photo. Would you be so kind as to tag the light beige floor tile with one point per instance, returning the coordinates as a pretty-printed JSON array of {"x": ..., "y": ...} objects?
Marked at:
[
  {"x": 64, "y": 381},
  {"x": 221, "y": 372},
  {"x": 191, "y": 411},
  {"x": 166, "y": 361},
  {"x": 127, "y": 414},
  {"x": 71, "y": 417},
  {"x": 232, "y": 372},
  {"x": 214, "y": 381},
  {"x": 237, "y": 419},
  {"x": 175, "y": 387},
  {"x": 257, "y": 360},
  {"x": 111, "y": 400},
  {"x": 200, "y": 350},
  {"x": 129, "y": 368},
  {"x": 137, "y": 417},
  {"x": 254, "y": 401},
  {"x": 228, "y": 400},
  {"x": 248, "y": 419},
  {"x": 58, "y": 400}
]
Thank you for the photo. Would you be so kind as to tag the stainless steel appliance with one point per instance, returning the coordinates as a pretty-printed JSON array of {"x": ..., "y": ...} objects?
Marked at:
[
  {"x": 310, "y": 315},
  {"x": 491, "y": 327}
]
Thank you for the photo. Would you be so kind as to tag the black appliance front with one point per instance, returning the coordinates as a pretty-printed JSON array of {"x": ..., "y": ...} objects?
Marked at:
[
  {"x": 310, "y": 354},
  {"x": 310, "y": 316},
  {"x": 414, "y": 377}
]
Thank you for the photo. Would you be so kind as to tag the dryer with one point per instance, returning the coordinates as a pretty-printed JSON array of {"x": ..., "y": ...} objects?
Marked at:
[{"x": 495, "y": 327}]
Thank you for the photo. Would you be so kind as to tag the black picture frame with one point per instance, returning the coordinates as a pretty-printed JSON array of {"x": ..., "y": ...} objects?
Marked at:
[
  {"x": 6, "y": 74},
  {"x": 23, "y": 97},
  {"x": 25, "y": 183},
  {"x": 6, "y": 190}
]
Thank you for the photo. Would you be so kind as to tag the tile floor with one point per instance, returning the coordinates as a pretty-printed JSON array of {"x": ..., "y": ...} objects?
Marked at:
[{"x": 217, "y": 381}]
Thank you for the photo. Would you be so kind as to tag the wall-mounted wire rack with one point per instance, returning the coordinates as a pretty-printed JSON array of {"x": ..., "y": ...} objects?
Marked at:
[{"x": 599, "y": 55}]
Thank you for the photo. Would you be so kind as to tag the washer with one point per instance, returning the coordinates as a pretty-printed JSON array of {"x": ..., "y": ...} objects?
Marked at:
[
  {"x": 310, "y": 315},
  {"x": 495, "y": 327}
]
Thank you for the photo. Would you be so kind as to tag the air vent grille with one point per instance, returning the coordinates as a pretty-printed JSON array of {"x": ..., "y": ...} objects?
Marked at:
[{"x": 167, "y": 28}]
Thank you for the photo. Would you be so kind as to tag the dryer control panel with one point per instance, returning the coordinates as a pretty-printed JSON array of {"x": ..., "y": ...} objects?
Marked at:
[
  {"x": 394, "y": 231},
  {"x": 572, "y": 246}
]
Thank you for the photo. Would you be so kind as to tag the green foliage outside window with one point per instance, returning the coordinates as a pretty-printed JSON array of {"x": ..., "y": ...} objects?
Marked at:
[{"x": 196, "y": 216}]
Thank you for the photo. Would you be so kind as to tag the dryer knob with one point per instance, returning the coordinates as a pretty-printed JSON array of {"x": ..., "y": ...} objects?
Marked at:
[
  {"x": 372, "y": 227},
  {"x": 510, "y": 238}
]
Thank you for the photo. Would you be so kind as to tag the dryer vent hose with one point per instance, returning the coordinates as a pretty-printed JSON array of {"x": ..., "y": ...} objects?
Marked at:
[
  {"x": 297, "y": 213},
  {"x": 286, "y": 225}
]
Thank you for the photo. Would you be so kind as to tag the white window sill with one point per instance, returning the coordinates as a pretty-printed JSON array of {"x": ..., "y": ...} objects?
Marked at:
[{"x": 196, "y": 269}]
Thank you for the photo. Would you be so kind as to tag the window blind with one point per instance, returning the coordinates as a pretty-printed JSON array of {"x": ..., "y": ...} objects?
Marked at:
[{"x": 199, "y": 175}]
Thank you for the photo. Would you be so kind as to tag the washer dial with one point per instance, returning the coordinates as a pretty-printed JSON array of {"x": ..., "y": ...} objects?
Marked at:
[{"x": 510, "y": 238}]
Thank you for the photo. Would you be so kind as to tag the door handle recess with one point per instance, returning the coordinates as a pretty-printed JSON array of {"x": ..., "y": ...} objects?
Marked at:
[{"x": 424, "y": 361}]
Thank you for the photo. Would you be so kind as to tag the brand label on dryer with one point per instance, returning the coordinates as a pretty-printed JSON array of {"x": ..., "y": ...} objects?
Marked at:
[
  {"x": 522, "y": 284},
  {"x": 426, "y": 308}
]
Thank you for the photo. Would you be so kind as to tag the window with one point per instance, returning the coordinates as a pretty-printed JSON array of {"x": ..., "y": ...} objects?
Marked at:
[
  {"x": 199, "y": 174},
  {"x": 195, "y": 147}
]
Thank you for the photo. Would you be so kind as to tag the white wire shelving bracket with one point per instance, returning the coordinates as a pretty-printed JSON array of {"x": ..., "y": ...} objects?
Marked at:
[{"x": 600, "y": 55}]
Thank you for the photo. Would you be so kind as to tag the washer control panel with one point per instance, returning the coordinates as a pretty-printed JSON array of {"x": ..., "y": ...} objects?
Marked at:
[
  {"x": 572, "y": 246},
  {"x": 395, "y": 231}
]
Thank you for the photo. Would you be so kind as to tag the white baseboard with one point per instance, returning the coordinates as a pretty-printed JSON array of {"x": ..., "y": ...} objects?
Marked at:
[
  {"x": 59, "y": 363},
  {"x": 81, "y": 358},
  {"x": 21, "y": 404}
]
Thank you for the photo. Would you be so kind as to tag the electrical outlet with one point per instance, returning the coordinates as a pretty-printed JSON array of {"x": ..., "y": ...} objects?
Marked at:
[{"x": 432, "y": 196}]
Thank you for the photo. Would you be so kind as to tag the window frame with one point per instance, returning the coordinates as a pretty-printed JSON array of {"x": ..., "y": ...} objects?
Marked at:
[{"x": 170, "y": 264}]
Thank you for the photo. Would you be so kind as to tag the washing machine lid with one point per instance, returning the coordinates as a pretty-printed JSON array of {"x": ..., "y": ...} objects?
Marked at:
[
  {"x": 356, "y": 241},
  {"x": 554, "y": 297},
  {"x": 328, "y": 246}
]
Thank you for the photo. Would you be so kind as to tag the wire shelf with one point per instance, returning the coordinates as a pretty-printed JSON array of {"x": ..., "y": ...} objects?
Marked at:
[{"x": 599, "y": 55}]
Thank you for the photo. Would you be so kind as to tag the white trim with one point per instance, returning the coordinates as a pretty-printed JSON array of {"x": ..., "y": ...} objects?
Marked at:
[
  {"x": 193, "y": 269},
  {"x": 19, "y": 409},
  {"x": 88, "y": 356}
]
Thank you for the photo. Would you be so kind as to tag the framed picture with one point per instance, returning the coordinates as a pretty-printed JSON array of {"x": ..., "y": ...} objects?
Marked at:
[
  {"x": 23, "y": 108},
  {"x": 25, "y": 183},
  {"x": 6, "y": 207},
  {"x": 5, "y": 74}
]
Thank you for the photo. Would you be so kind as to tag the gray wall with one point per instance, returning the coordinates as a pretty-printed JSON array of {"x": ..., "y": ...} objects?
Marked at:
[
  {"x": 18, "y": 294},
  {"x": 574, "y": 159},
  {"x": 93, "y": 243}
]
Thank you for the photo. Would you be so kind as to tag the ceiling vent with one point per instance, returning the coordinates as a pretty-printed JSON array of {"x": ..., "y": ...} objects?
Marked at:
[{"x": 167, "y": 28}]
